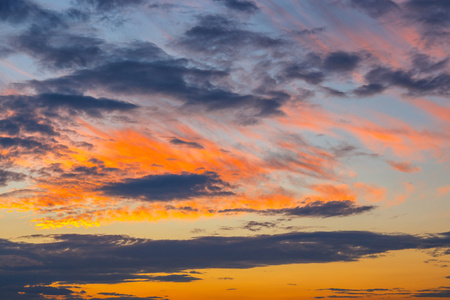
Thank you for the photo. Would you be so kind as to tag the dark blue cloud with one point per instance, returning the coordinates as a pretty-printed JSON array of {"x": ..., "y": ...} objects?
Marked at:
[
  {"x": 221, "y": 35},
  {"x": 336, "y": 293},
  {"x": 58, "y": 49},
  {"x": 369, "y": 90},
  {"x": 177, "y": 141},
  {"x": 315, "y": 68},
  {"x": 375, "y": 8},
  {"x": 78, "y": 103},
  {"x": 303, "y": 72},
  {"x": 39, "y": 106},
  {"x": 441, "y": 292},
  {"x": 313, "y": 209},
  {"x": 172, "y": 77},
  {"x": 8, "y": 176},
  {"x": 26, "y": 11},
  {"x": 114, "y": 258},
  {"x": 110, "y": 5},
  {"x": 26, "y": 122},
  {"x": 430, "y": 13},
  {"x": 240, "y": 5},
  {"x": 25, "y": 143},
  {"x": 328, "y": 209},
  {"x": 341, "y": 61},
  {"x": 167, "y": 187},
  {"x": 384, "y": 77}
]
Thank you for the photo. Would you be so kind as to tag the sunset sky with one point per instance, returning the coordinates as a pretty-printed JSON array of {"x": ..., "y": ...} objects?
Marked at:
[{"x": 224, "y": 149}]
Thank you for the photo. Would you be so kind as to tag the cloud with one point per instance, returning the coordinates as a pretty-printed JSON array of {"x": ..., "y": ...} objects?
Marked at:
[
  {"x": 375, "y": 8},
  {"x": 425, "y": 64},
  {"x": 369, "y": 90},
  {"x": 405, "y": 167},
  {"x": 441, "y": 292},
  {"x": 326, "y": 209},
  {"x": 217, "y": 34},
  {"x": 46, "y": 290},
  {"x": 109, "y": 5},
  {"x": 115, "y": 294},
  {"x": 80, "y": 103},
  {"x": 430, "y": 16},
  {"x": 28, "y": 144},
  {"x": 240, "y": 5},
  {"x": 384, "y": 77},
  {"x": 48, "y": 103},
  {"x": 257, "y": 226},
  {"x": 172, "y": 78},
  {"x": 341, "y": 61},
  {"x": 313, "y": 30},
  {"x": 177, "y": 141},
  {"x": 26, "y": 122},
  {"x": 58, "y": 49},
  {"x": 321, "y": 209},
  {"x": 315, "y": 68},
  {"x": 24, "y": 11},
  {"x": 173, "y": 278},
  {"x": 7, "y": 176},
  {"x": 299, "y": 71},
  {"x": 114, "y": 258},
  {"x": 167, "y": 187}
]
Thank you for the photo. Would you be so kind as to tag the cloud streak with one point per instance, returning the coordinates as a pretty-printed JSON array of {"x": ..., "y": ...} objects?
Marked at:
[{"x": 112, "y": 259}]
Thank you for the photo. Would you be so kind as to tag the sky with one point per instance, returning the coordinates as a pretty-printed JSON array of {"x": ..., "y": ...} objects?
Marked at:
[{"x": 224, "y": 149}]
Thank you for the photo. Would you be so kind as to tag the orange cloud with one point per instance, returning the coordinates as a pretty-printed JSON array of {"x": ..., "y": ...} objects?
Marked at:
[
  {"x": 370, "y": 192},
  {"x": 405, "y": 167},
  {"x": 444, "y": 190}
]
